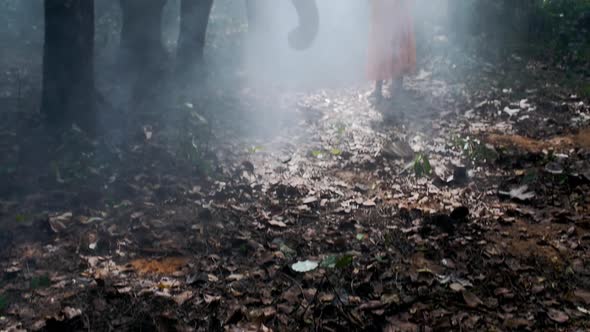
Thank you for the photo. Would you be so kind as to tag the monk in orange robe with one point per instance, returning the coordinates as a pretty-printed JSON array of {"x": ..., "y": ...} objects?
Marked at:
[{"x": 392, "y": 45}]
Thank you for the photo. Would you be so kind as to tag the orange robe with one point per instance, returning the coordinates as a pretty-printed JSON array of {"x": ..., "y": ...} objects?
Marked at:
[{"x": 392, "y": 45}]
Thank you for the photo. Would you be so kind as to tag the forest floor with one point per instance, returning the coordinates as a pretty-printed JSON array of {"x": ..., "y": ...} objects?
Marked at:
[{"x": 463, "y": 206}]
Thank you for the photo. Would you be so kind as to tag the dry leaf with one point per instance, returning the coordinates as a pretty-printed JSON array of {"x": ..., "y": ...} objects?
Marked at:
[
  {"x": 456, "y": 287},
  {"x": 181, "y": 298},
  {"x": 583, "y": 295},
  {"x": 235, "y": 277},
  {"x": 277, "y": 223},
  {"x": 211, "y": 298},
  {"x": 557, "y": 316},
  {"x": 471, "y": 299}
]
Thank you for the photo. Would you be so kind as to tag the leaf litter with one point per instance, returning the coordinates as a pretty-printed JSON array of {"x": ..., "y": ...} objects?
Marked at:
[{"x": 350, "y": 220}]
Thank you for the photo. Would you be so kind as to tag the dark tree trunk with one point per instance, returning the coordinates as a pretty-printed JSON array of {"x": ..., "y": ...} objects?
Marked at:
[
  {"x": 142, "y": 56},
  {"x": 68, "y": 63},
  {"x": 194, "y": 18},
  {"x": 141, "y": 34}
]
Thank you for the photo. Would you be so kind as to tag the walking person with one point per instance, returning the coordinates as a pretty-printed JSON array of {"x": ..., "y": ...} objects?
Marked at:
[{"x": 392, "y": 45}]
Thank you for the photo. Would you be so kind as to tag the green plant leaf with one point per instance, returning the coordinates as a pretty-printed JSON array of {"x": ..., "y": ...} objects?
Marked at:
[
  {"x": 287, "y": 250},
  {"x": 329, "y": 262},
  {"x": 255, "y": 149},
  {"x": 3, "y": 302},
  {"x": 426, "y": 165},
  {"x": 344, "y": 261},
  {"x": 422, "y": 165},
  {"x": 40, "y": 282},
  {"x": 336, "y": 152}
]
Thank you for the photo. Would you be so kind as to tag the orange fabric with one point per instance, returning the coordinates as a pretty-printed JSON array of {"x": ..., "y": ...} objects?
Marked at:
[{"x": 392, "y": 45}]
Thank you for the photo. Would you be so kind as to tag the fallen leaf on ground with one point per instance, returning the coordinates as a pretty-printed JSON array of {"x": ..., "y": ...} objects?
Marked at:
[
  {"x": 211, "y": 298},
  {"x": 304, "y": 266},
  {"x": 456, "y": 287},
  {"x": 471, "y": 299},
  {"x": 181, "y": 298},
  {"x": 583, "y": 295},
  {"x": 163, "y": 266},
  {"x": 557, "y": 316},
  {"x": 521, "y": 193},
  {"x": 277, "y": 223}
]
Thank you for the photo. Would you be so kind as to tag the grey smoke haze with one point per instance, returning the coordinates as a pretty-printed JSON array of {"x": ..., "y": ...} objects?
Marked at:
[
  {"x": 263, "y": 58},
  {"x": 338, "y": 56}
]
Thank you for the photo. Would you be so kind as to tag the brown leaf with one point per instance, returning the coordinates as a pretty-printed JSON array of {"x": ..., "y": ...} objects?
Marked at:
[
  {"x": 239, "y": 208},
  {"x": 71, "y": 313},
  {"x": 517, "y": 323},
  {"x": 58, "y": 223},
  {"x": 371, "y": 305},
  {"x": 164, "y": 266},
  {"x": 310, "y": 199},
  {"x": 211, "y": 298},
  {"x": 277, "y": 223},
  {"x": 397, "y": 325},
  {"x": 456, "y": 287},
  {"x": 269, "y": 312},
  {"x": 471, "y": 299},
  {"x": 183, "y": 297},
  {"x": 582, "y": 295},
  {"x": 291, "y": 295},
  {"x": 390, "y": 298},
  {"x": 235, "y": 277},
  {"x": 502, "y": 292},
  {"x": 327, "y": 297},
  {"x": 557, "y": 316}
]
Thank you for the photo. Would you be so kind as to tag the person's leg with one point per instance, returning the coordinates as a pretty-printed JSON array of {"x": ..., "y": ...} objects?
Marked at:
[
  {"x": 377, "y": 94},
  {"x": 396, "y": 87}
]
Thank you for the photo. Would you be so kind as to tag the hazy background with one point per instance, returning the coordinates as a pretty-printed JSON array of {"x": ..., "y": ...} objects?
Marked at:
[{"x": 450, "y": 34}]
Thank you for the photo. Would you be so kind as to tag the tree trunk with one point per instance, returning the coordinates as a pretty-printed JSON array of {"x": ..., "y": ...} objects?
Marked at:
[
  {"x": 194, "y": 18},
  {"x": 68, "y": 63},
  {"x": 141, "y": 34}
]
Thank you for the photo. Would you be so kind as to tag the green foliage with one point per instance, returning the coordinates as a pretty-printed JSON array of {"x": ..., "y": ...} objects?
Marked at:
[
  {"x": 40, "y": 282},
  {"x": 254, "y": 149},
  {"x": 557, "y": 27},
  {"x": 319, "y": 153},
  {"x": 338, "y": 262},
  {"x": 344, "y": 261},
  {"x": 316, "y": 153},
  {"x": 422, "y": 165},
  {"x": 3, "y": 302},
  {"x": 474, "y": 150},
  {"x": 329, "y": 262},
  {"x": 335, "y": 151}
]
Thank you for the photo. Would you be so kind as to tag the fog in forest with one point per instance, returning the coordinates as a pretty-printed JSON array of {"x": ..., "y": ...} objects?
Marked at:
[
  {"x": 235, "y": 57},
  {"x": 294, "y": 165}
]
